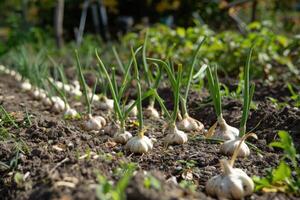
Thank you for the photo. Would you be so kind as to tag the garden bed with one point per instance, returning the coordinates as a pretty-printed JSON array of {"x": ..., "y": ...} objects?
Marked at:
[{"x": 62, "y": 161}]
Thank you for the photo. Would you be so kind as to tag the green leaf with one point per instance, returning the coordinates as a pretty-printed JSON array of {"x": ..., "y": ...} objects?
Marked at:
[
  {"x": 261, "y": 183},
  {"x": 281, "y": 173}
]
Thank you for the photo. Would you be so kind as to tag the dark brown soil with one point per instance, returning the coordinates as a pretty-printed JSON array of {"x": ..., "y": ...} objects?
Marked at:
[{"x": 63, "y": 161}]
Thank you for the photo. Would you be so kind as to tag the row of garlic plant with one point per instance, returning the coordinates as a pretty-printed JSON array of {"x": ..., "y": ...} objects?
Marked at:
[
  {"x": 233, "y": 182},
  {"x": 234, "y": 139}
]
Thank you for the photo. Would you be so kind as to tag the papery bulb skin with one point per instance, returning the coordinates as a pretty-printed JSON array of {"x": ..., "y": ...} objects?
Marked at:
[
  {"x": 12, "y": 73},
  {"x": 151, "y": 112},
  {"x": 139, "y": 144},
  {"x": 18, "y": 77},
  {"x": 233, "y": 183},
  {"x": 76, "y": 84},
  {"x": 67, "y": 88},
  {"x": 122, "y": 136},
  {"x": 94, "y": 123},
  {"x": 95, "y": 97},
  {"x": 47, "y": 101},
  {"x": 190, "y": 124},
  {"x": 70, "y": 113},
  {"x": 134, "y": 111},
  {"x": 225, "y": 131},
  {"x": 38, "y": 94},
  {"x": 229, "y": 146},
  {"x": 58, "y": 104},
  {"x": 26, "y": 86},
  {"x": 106, "y": 103},
  {"x": 76, "y": 92},
  {"x": 59, "y": 84},
  {"x": 175, "y": 136}
]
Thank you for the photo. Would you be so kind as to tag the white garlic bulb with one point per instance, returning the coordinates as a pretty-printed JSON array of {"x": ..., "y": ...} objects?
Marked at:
[
  {"x": 225, "y": 131},
  {"x": 94, "y": 123},
  {"x": 58, "y": 104},
  {"x": 106, "y": 103},
  {"x": 76, "y": 92},
  {"x": 18, "y": 77},
  {"x": 47, "y": 101},
  {"x": 175, "y": 136},
  {"x": 151, "y": 112},
  {"x": 122, "y": 136},
  {"x": 38, "y": 94},
  {"x": 70, "y": 113},
  {"x": 2, "y": 68},
  {"x": 95, "y": 97},
  {"x": 190, "y": 124},
  {"x": 237, "y": 147},
  {"x": 134, "y": 111},
  {"x": 67, "y": 88},
  {"x": 229, "y": 146},
  {"x": 139, "y": 144},
  {"x": 12, "y": 73},
  {"x": 233, "y": 183},
  {"x": 26, "y": 86}
]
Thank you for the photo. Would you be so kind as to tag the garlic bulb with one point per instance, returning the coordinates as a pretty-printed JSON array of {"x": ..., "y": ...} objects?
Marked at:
[
  {"x": 122, "y": 136},
  {"x": 190, "y": 124},
  {"x": 151, "y": 112},
  {"x": 175, "y": 136},
  {"x": 139, "y": 144},
  {"x": 76, "y": 93},
  {"x": 237, "y": 147},
  {"x": 70, "y": 113},
  {"x": 94, "y": 123},
  {"x": 2, "y": 68},
  {"x": 134, "y": 111},
  {"x": 67, "y": 88},
  {"x": 12, "y": 73},
  {"x": 95, "y": 97},
  {"x": 228, "y": 147},
  {"x": 47, "y": 101},
  {"x": 58, "y": 104},
  {"x": 38, "y": 94},
  {"x": 18, "y": 77},
  {"x": 233, "y": 183},
  {"x": 106, "y": 103},
  {"x": 26, "y": 86},
  {"x": 225, "y": 131}
]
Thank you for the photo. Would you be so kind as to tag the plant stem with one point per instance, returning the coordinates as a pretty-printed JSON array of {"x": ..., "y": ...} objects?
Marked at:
[
  {"x": 139, "y": 93},
  {"x": 177, "y": 93},
  {"x": 118, "y": 59},
  {"x": 83, "y": 83},
  {"x": 112, "y": 89},
  {"x": 247, "y": 94},
  {"x": 190, "y": 76}
]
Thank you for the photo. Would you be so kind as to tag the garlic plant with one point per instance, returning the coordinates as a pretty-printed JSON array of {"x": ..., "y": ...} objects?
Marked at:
[
  {"x": 220, "y": 129},
  {"x": 92, "y": 123},
  {"x": 174, "y": 136},
  {"x": 140, "y": 143},
  {"x": 233, "y": 183},
  {"x": 60, "y": 104},
  {"x": 120, "y": 112},
  {"x": 152, "y": 81},
  {"x": 188, "y": 123},
  {"x": 229, "y": 146}
]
